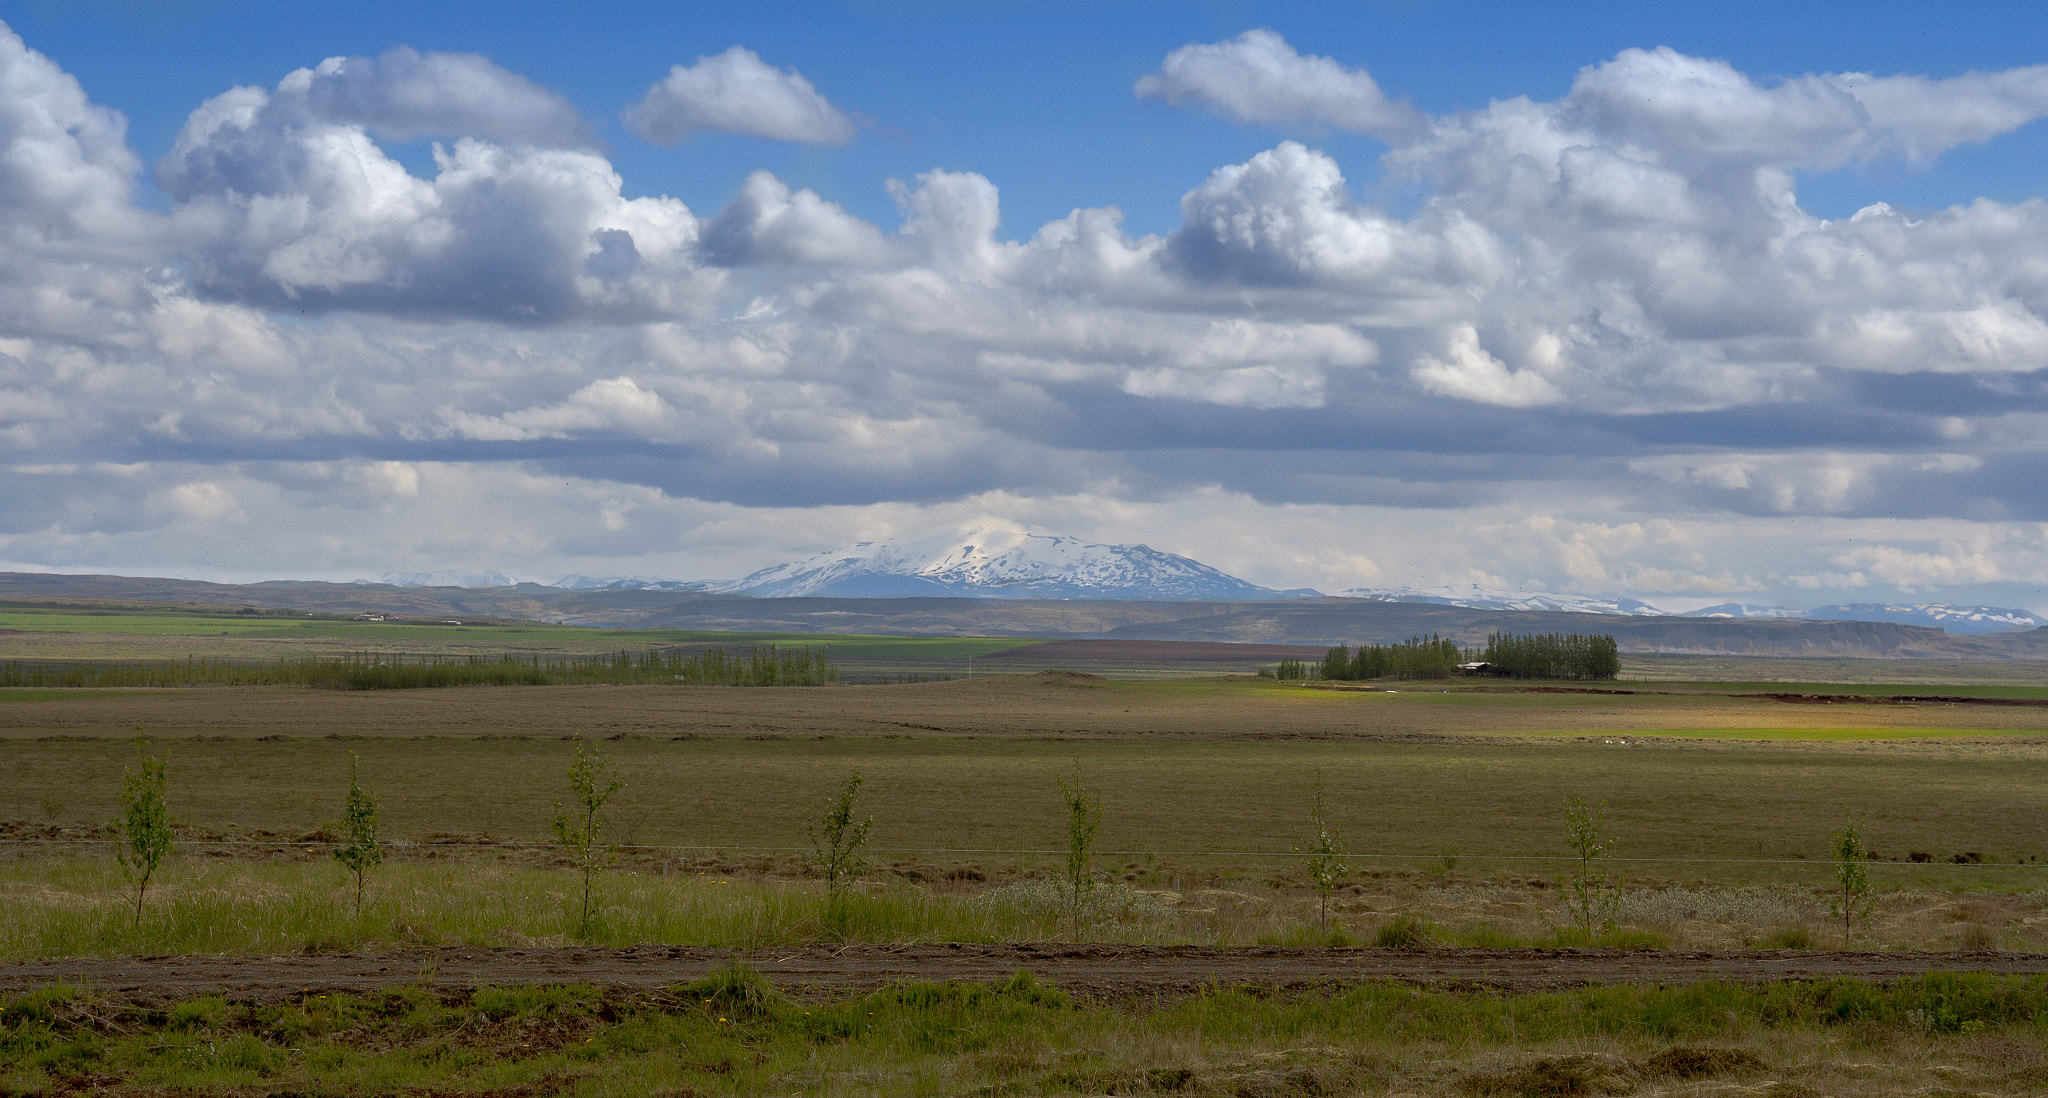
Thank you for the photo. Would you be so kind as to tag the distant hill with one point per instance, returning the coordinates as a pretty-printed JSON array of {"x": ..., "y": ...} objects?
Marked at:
[
  {"x": 446, "y": 579},
  {"x": 1307, "y": 621},
  {"x": 1954, "y": 619},
  {"x": 627, "y": 583},
  {"x": 1475, "y": 597}
]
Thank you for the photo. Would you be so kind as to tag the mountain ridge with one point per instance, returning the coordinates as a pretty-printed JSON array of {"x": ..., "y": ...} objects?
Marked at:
[{"x": 1312, "y": 621}]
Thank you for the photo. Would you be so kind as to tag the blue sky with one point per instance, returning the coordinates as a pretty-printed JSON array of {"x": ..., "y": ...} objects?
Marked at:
[
  {"x": 1574, "y": 297},
  {"x": 1037, "y": 96}
]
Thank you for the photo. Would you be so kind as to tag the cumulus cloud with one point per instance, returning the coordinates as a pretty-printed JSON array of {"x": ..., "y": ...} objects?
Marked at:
[
  {"x": 1258, "y": 78},
  {"x": 613, "y": 404},
  {"x": 1466, "y": 371},
  {"x": 405, "y": 95},
  {"x": 769, "y": 223},
  {"x": 737, "y": 92},
  {"x": 287, "y": 201},
  {"x": 1607, "y": 349}
]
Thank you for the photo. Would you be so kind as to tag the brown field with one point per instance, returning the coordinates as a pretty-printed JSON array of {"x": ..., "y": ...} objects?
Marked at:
[
  {"x": 1045, "y": 704},
  {"x": 1189, "y": 766},
  {"x": 1114, "y": 972}
]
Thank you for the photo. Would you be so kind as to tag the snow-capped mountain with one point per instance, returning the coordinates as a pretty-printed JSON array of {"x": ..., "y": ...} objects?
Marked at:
[
  {"x": 994, "y": 559},
  {"x": 1475, "y": 597},
  {"x": 627, "y": 583},
  {"x": 1955, "y": 619},
  {"x": 1740, "y": 610},
  {"x": 448, "y": 579}
]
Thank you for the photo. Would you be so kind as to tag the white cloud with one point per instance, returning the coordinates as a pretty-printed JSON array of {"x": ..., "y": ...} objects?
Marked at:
[
  {"x": 404, "y": 95},
  {"x": 1467, "y": 372},
  {"x": 1605, "y": 312},
  {"x": 737, "y": 92},
  {"x": 769, "y": 223},
  {"x": 283, "y": 210},
  {"x": 613, "y": 404},
  {"x": 1257, "y": 77}
]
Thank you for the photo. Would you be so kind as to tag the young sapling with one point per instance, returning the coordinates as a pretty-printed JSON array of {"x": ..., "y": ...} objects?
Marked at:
[
  {"x": 1084, "y": 816},
  {"x": 1591, "y": 898},
  {"x": 837, "y": 838},
  {"x": 1322, "y": 851},
  {"x": 145, "y": 823},
  {"x": 1851, "y": 902},
  {"x": 356, "y": 847},
  {"x": 581, "y": 830}
]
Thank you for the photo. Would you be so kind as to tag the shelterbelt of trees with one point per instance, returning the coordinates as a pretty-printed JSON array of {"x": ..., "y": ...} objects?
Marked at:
[{"x": 1509, "y": 655}]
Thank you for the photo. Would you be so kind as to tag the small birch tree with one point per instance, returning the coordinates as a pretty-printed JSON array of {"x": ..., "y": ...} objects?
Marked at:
[
  {"x": 145, "y": 822},
  {"x": 580, "y": 831},
  {"x": 1851, "y": 902},
  {"x": 1322, "y": 851},
  {"x": 1591, "y": 899},
  {"x": 837, "y": 838},
  {"x": 358, "y": 850},
  {"x": 1084, "y": 816}
]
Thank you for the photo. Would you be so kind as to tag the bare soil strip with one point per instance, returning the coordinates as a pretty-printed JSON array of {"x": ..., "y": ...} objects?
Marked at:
[{"x": 1102, "y": 971}]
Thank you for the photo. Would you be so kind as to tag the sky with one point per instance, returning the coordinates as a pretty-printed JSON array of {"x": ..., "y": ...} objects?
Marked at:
[{"x": 1741, "y": 302}]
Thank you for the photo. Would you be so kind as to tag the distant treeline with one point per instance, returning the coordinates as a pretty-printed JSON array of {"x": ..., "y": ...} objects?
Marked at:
[
  {"x": 1429, "y": 657},
  {"x": 1552, "y": 655},
  {"x": 760, "y": 666},
  {"x": 1511, "y": 655}
]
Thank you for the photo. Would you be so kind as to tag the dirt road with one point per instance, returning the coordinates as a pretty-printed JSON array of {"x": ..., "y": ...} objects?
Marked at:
[{"x": 1109, "y": 971}]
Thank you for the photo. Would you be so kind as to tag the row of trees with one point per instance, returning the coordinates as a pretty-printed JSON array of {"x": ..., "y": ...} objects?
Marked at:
[
  {"x": 765, "y": 665},
  {"x": 839, "y": 835},
  {"x": 1551, "y": 655},
  {"x": 1511, "y": 655}
]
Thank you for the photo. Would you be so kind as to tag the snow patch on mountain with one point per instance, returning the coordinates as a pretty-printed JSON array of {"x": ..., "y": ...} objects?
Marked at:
[
  {"x": 996, "y": 559},
  {"x": 627, "y": 583},
  {"x": 1740, "y": 610},
  {"x": 447, "y": 579},
  {"x": 1955, "y": 619},
  {"x": 1473, "y": 596}
]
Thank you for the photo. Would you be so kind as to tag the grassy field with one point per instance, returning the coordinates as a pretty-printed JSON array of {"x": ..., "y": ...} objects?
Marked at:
[{"x": 731, "y": 1034}]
